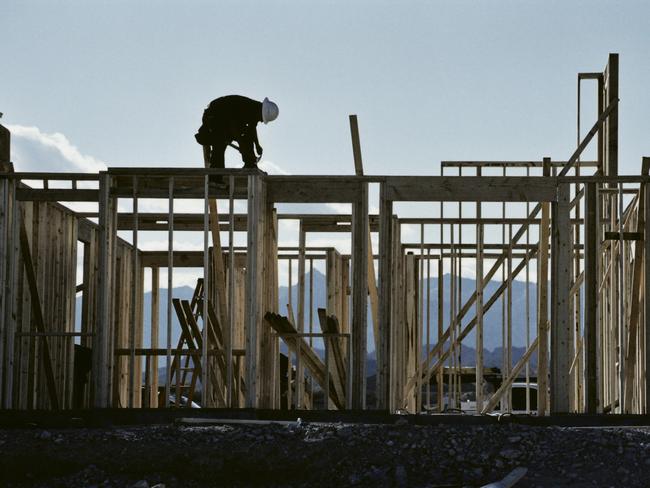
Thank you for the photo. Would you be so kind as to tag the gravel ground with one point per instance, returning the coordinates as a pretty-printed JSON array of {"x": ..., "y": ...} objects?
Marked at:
[{"x": 318, "y": 455}]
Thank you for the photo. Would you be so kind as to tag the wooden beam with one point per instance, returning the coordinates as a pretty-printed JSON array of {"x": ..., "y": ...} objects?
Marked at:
[
  {"x": 362, "y": 283},
  {"x": 159, "y": 351},
  {"x": 211, "y": 335},
  {"x": 217, "y": 255},
  {"x": 385, "y": 297},
  {"x": 611, "y": 108},
  {"x": 372, "y": 280},
  {"x": 319, "y": 189},
  {"x": 591, "y": 298},
  {"x": 646, "y": 295},
  {"x": 542, "y": 304},
  {"x": 469, "y": 189},
  {"x": 134, "y": 297},
  {"x": 623, "y": 236},
  {"x": 329, "y": 324},
  {"x": 5, "y": 148},
  {"x": 636, "y": 302},
  {"x": 37, "y": 316},
  {"x": 611, "y": 129},
  {"x": 6, "y": 281},
  {"x": 58, "y": 195},
  {"x": 155, "y": 327},
  {"x": 505, "y": 385},
  {"x": 590, "y": 76},
  {"x": 103, "y": 329},
  {"x": 254, "y": 284},
  {"x": 510, "y": 164},
  {"x": 479, "y": 311},
  {"x": 436, "y": 351},
  {"x": 300, "y": 373},
  {"x": 561, "y": 343},
  {"x": 269, "y": 348},
  {"x": 356, "y": 145},
  {"x": 636, "y": 299},
  {"x": 317, "y": 368},
  {"x": 471, "y": 300}
]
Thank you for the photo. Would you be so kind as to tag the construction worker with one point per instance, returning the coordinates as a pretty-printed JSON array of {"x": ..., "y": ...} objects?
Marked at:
[{"x": 234, "y": 118}]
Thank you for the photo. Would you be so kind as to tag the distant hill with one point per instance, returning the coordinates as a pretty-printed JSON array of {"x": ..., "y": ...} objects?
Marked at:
[{"x": 492, "y": 319}]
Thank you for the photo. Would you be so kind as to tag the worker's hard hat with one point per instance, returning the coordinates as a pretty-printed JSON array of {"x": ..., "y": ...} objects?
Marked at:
[{"x": 270, "y": 111}]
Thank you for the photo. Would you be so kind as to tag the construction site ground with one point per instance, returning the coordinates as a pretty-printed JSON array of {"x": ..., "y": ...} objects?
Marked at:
[{"x": 318, "y": 451}]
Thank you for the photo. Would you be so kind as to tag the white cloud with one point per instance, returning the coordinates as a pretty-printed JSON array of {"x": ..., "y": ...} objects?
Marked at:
[
  {"x": 271, "y": 168},
  {"x": 34, "y": 150}
]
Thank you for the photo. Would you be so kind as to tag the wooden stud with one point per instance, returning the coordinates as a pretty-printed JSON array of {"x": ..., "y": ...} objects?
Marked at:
[
  {"x": 469, "y": 188},
  {"x": 101, "y": 344},
  {"x": 8, "y": 317},
  {"x": 210, "y": 208},
  {"x": 360, "y": 273},
  {"x": 254, "y": 274},
  {"x": 231, "y": 293},
  {"x": 132, "y": 321},
  {"x": 268, "y": 349},
  {"x": 170, "y": 286},
  {"x": 39, "y": 321},
  {"x": 542, "y": 304},
  {"x": 611, "y": 129},
  {"x": 508, "y": 380},
  {"x": 591, "y": 299},
  {"x": 479, "y": 311},
  {"x": 300, "y": 374},
  {"x": 646, "y": 296},
  {"x": 636, "y": 297},
  {"x": 385, "y": 277},
  {"x": 441, "y": 281},
  {"x": 561, "y": 345},
  {"x": 155, "y": 326}
]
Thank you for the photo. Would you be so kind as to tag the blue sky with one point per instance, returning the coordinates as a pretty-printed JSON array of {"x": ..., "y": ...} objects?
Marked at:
[
  {"x": 125, "y": 82},
  {"x": 120, "y": 83}
]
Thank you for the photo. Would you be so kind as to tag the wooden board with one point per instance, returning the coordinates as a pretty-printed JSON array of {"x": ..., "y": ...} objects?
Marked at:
[{"x": 317, "y": 368}]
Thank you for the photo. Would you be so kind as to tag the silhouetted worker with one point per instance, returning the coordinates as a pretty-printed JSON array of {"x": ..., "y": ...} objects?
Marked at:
[{"x": 234, "y": 118}]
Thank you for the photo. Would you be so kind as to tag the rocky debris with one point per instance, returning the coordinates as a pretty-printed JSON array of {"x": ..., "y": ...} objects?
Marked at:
[
  {"x": 45, "y": 435},
  {"x": 302, "y": 454}
]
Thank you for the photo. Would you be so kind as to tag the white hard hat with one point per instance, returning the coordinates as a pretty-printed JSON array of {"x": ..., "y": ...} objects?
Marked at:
[{"x": 270, "y": 111}]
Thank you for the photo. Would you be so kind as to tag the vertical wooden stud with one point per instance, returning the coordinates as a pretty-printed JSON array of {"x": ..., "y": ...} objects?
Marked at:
[
  {"x": 359, "y": 296},
  {"x": 561, "y": 346},
  {"x": 385, "y": 278},
  {"x": 591, "y": 278}
]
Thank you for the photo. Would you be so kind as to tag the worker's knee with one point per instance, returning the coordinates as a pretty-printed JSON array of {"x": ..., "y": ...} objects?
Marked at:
[{"x": 217, "y": 158}]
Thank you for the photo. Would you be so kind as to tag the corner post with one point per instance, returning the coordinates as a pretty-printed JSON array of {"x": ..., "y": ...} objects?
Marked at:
[
  {"x": 591, "y": 298},
  {"x": 611, "y": 166},
  {"x": 102, "y": 337},
  {"x": 542, "y": 304},
  {"x": 8, "y": 257},
  {"x": 385, "y": 298},
  {"x": 254, "y": 312},
  {"x": 646, "y": 293},
  {"x": 359, "y": 296},
  {"x": 561, "y": 344}
]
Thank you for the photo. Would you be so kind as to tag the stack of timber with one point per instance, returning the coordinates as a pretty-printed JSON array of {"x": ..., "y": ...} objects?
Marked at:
[{"x": 298, "y": 345}]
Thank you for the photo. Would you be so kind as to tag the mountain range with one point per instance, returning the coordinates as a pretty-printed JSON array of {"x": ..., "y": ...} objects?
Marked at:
[{"x": 492, "y": 318}]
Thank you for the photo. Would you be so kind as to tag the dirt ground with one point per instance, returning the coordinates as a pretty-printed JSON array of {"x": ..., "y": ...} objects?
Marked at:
[{"x": 298, "y": 454}]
